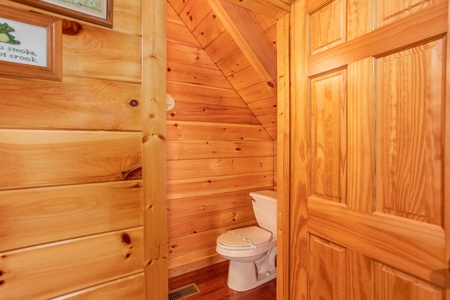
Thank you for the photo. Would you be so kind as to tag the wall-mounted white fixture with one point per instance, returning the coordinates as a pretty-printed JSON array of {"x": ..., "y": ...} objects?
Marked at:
[{"x": 170, "y": 102}]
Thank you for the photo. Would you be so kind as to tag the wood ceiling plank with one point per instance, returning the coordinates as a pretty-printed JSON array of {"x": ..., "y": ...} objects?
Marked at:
[
  {"x": 251, "y": 39},
  {"x": 274, "y": 9}
]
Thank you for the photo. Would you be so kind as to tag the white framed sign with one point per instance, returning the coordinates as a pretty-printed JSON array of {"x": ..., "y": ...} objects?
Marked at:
[
  {"x": 94, "y": 11},
  {"x": 30, "y": 44}
]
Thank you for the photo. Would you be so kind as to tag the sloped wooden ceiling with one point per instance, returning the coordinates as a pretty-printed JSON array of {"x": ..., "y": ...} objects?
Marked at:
[{"x": 242, "y": 44}]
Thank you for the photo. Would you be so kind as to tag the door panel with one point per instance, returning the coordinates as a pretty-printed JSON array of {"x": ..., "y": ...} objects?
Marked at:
[
  {"x": 409, "y": 99},
  {"x": 373, "y": 214}
]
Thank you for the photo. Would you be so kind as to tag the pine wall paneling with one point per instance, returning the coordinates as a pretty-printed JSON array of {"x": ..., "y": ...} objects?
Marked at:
[
  {"x": 70, "y": 156},
  {"x": 217, "y": 149}
]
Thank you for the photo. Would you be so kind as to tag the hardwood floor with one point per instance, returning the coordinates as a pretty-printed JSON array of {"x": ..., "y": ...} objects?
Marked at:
[{"x": 212, "y": 282}]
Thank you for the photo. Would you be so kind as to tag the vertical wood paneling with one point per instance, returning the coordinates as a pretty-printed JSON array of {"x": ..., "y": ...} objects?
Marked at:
[
  {"x": 409, "y": 151},
  {"x": 154, "y": 204},
  {"x": 329, "y": 135},
  {"x": 327, "y": 26},
  {"x": 328, "y": 270},
  {"x": 360, "y": 128},
  {"x": 394, "y": 145},
  {"x": 297, "y": 268},
  {"x": 359, "y": 18},
  {"x": 360, "y": 283},
  {"x": 283, "y": 156}
]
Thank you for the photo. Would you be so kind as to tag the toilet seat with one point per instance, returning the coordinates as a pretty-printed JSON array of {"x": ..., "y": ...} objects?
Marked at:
[{"x": 246, "y": 238}]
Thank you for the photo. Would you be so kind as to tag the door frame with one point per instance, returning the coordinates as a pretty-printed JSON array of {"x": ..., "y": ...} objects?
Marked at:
[{"x": 292, "y": 280}]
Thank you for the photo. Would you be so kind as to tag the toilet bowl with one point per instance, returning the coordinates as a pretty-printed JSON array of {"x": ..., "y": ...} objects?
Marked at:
[{"x": 252, "y": 250}]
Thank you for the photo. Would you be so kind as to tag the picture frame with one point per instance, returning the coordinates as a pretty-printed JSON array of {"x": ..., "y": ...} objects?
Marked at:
[
  {"x": 98, "y": 12},
  {"x": 30, "y": 44}
]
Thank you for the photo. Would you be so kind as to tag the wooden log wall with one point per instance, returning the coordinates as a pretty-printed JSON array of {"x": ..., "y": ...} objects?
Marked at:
[
  {"x": 217, "y": 152},
  {"x": 71, "y": 190}
]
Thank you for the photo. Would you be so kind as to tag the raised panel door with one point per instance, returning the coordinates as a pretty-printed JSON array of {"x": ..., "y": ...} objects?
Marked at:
[{"x": 369, "y": 152}]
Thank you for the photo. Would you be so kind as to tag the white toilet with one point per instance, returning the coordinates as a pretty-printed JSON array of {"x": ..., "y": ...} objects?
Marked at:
[{"x": 252, "y": 250}]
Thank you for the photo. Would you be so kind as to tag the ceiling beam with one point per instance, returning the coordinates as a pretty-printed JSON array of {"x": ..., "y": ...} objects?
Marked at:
[
  {"x": 274, "y": 9},
  {"x": 251, "y": 39}
]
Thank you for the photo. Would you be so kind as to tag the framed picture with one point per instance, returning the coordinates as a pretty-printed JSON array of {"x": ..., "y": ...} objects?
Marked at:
[
  {"x": 30, "y": 44},
  {"x": 93, "y": 11}
]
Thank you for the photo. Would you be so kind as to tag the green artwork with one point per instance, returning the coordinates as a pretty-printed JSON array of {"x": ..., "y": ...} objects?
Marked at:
[
  {"x": 91, "y": 4},
  {"x": 6, "y": 36}
]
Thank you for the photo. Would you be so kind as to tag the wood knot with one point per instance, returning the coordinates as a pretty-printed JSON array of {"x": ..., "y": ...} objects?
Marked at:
[
  {"x": 126, "y": 238},
  {"x": 70, "y": 27}
]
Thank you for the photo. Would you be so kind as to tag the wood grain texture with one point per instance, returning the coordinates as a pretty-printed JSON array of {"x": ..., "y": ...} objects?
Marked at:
[
  {"x": 359, "y": 18},
  {"x": 218, "y": 184},
  {"x": 212, "y": 113},
  {"x": 360, "y": 185},
  {"x": 102, "y": 54},
  {"x": 184, "y": 92},
  {"x": 43, "y": 158},
  {"x": 329, "y": 282},
  {"x": 194, "y": 12},
  {"x": 327, "y": 27},
  {"x": 204, "y": 204},
  {"x": 274, "y": 9},
  {"x": 402, "y": 285},
  {"x": 427, "y": 23},
  {"x": 233, "y": 62},
  {"x": 329, "y": 135},
  {"x": 36, "y": 216},
  {"x": 189, "y": 55},
  {"x": 153, "y": 139},
  {"x": 217, "y": 150},
  {"x": 297, "y": 269},
  {"x": 283, "y": 156},
  {"x": 88, "y": 103},
  {"x": 208, "y": 29},
  {"x": 125, "y": 288},
  {"x": 180, "y": 169},
  {"x": 409, "y": 127},
  {"x": 71, "y": 222},
  {"x": 221, "y": 46},
  {"x": 181, "y": 130},
  {"x": 381, "y": 236},
  {"x": 196, "y": 75},
  {"x": 250, "y": 37},
  {"x": 395, "y": 87},
  {"x": 67, "y": 266},
  {"x": 183, "y": 226},
  {"x": 388, "y": 12}
]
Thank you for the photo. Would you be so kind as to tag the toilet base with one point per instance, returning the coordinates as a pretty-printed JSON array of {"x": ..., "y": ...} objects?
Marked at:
[{"x": 243, "y": 276}]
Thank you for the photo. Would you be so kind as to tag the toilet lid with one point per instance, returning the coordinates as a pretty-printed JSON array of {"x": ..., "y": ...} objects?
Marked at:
[{"x": 244, "y": 238}]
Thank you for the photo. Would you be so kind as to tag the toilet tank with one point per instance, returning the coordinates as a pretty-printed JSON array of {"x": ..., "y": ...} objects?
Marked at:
[{"x": 265, "y": 208}]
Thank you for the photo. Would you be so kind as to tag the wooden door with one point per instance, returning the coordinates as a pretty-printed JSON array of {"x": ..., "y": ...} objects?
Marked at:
[{"x": 370, "y": 150}]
